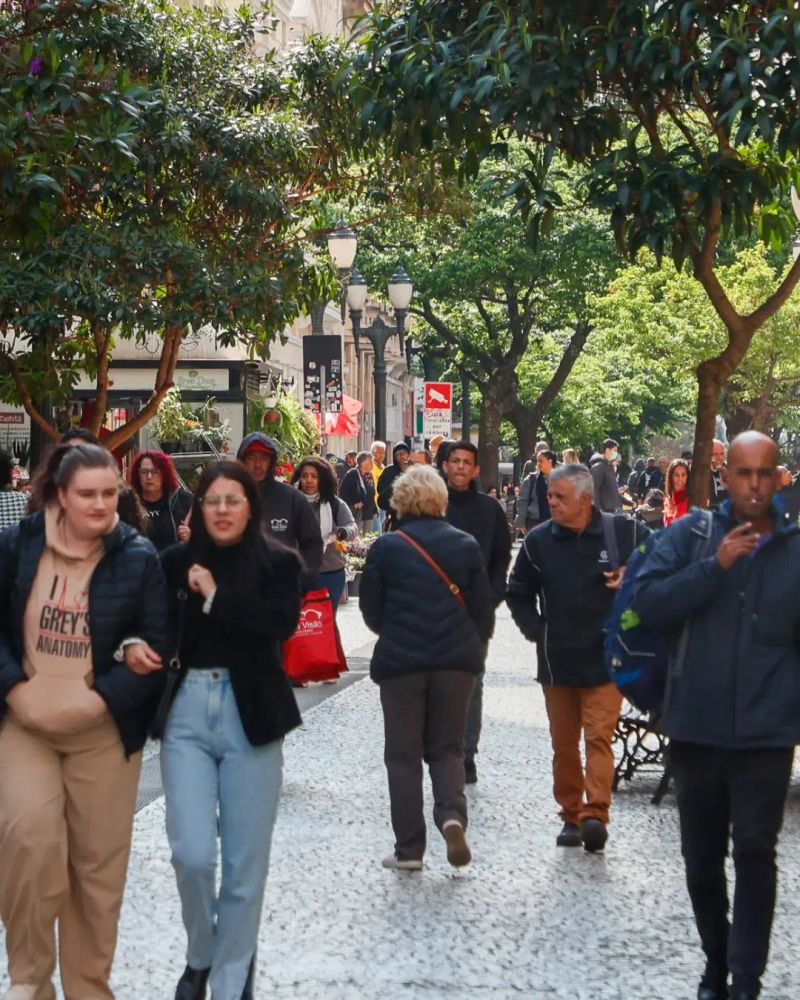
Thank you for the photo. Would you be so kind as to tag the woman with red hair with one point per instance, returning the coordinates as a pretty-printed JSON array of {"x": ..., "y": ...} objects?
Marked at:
[
  {"x": 676, "y": 493},
  {"x": 155, "y": 480}
]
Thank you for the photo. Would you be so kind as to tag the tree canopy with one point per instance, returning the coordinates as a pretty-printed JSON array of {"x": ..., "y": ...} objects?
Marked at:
[
  {"x": 156, "y": 176},
  {"x": 683, "y": 115},
  {"x": 486, "y": 299}
]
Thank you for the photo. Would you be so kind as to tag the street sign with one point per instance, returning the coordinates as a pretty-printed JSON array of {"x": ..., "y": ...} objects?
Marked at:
[
  {"x": 322, "y": 373},
  {"x": 437, "y": 413}
]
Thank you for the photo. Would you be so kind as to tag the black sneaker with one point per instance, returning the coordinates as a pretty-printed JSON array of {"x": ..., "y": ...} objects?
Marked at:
[
  {"x": 470, "y": 773},
  {"x": 570, "y": 836},
  {"x": 594, "y": 835}
]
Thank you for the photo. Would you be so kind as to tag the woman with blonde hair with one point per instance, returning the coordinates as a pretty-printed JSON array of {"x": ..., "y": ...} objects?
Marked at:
[
  {"x": 425, "y": 663},
  {"x": 570, "y": 457}
]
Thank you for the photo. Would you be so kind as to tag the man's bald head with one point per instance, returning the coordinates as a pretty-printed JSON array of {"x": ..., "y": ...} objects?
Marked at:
[{"x": 752, "y": 474}]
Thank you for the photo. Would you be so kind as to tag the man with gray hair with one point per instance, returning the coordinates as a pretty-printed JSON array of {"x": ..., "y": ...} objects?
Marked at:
[{"x": 560, "y": 595}]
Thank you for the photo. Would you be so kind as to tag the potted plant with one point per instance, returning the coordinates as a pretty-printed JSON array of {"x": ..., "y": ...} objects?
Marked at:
[
  {"x": 169, "y": 421},
  {"x": 355, "y": 558}
]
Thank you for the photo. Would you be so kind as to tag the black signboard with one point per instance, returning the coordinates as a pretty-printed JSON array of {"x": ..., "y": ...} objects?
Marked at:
[{"x": 322, "y": 361}]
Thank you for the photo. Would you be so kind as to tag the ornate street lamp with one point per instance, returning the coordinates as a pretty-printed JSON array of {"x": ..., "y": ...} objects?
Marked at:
[
  {"x": 378, "y": 333},
  {"x": 400, "y": 291},
  {"x": 342, "y": 246},
  {"x": 356, "y": 300}
]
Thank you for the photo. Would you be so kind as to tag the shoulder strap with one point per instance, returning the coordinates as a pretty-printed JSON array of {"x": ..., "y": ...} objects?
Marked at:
[
  {"x": 610, "y": 539},
  {"x": 452, "y": 587}
]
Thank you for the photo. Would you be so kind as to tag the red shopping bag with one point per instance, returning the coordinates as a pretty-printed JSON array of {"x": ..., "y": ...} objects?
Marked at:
[{"x": 314, "y": 652}]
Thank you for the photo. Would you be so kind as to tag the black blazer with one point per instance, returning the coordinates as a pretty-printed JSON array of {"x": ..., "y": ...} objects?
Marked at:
[{"x": 257, "y": 620}]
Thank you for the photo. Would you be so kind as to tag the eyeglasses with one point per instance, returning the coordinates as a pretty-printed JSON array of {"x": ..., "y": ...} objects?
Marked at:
[
  {"x": 214, "y": 502},
  {"x": 149, "y": 472}
]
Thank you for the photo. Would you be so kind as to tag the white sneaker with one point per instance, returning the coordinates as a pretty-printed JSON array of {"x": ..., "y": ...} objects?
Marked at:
[
  {"x": 403, "y": 864},
  {"x": 24, "y": 992},
  {"x": 458, "y": 852}
]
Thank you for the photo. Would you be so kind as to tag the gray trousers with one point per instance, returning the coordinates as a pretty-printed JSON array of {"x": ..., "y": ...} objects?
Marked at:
[
  {"x": 424, "y": 716},
  {"x": 472, "y": 733}
]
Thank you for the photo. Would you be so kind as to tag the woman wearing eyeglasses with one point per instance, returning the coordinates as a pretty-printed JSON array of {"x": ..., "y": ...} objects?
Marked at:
[
  {"x": 235, "y": 597},
  {"x": 155, "y": 481}
]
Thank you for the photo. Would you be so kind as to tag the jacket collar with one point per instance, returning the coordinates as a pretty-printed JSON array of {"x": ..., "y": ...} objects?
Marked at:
[
  {"x": 32, "y": 527},
  {"x": 457, "y": 495},
  {"x": 783, "y": 526},
  {"x": 594, "y": 527}
]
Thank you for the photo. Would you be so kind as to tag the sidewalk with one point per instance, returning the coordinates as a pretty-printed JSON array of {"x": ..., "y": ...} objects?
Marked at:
[{"x": 524, "y": 920}]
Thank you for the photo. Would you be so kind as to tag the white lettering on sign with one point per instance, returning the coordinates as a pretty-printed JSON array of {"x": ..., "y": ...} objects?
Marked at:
[
  {"x": 437, "y": 415},
  {"x": 11, "y": 418}
]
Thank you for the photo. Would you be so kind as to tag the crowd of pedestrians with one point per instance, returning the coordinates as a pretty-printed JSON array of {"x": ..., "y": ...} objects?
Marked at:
[{"x": 139, "y": 608}]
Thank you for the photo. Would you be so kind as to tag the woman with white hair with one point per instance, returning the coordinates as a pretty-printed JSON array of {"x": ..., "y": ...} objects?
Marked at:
[{"x": 426, "y": 593}]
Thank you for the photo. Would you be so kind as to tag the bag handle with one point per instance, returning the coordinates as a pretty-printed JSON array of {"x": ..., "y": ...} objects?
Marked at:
[{"x": 454, "y": 589}]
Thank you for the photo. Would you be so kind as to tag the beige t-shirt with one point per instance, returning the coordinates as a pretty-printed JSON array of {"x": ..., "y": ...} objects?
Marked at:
[{"x": 57, "y": 653}]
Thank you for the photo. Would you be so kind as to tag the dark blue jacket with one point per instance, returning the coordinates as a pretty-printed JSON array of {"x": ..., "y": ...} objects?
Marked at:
[
  {"x": 739, "y": 686},
  {"x": 127, "y": 597},
  {"x": 420, "y": 624}
]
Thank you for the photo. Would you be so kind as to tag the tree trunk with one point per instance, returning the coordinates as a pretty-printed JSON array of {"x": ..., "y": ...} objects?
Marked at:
[
  {"x": 528, "y": 420},
  {"x": 489, "y": 438},
  {"x": 709, "y": 383}
]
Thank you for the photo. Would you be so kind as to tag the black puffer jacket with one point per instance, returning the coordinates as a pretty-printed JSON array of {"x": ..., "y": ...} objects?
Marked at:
[
  {"x": 254, "y": 621},
  {"x": 420, "y": 624},
  {"x": 127, "y": 597}
]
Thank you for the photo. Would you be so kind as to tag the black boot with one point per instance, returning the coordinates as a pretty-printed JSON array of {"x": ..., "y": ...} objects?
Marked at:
[
  {"x": 707, "y": 993},
  {"x": 247, "y": 992},
  {"x": 192, "y": 984}
]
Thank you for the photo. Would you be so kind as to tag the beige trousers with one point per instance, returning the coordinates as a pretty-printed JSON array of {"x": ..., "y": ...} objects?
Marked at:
[{"x": 66, "y": 817}]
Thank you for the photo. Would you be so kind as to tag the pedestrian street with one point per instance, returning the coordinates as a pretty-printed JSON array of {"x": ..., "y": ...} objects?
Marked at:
[{"x": 526, "y": 919}]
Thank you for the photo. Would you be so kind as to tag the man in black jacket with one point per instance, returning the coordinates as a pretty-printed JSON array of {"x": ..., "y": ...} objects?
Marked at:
[
  {"x": 733, "y": 714},
  {"x": 287, "y": 514},
  {"x": 560, "y": 594},
  {"x": 482, "y": 517}
]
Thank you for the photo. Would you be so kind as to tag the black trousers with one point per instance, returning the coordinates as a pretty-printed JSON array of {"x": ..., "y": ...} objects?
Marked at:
[
  {"x": 424, "y": 716},
  {"x": 740, "y": 793}
]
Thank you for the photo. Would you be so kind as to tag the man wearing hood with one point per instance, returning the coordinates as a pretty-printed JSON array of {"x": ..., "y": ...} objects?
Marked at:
[
  {"x": 401, "y": 458},
  {"x": 287, "y": 515},
  {"x": 482, "y": 517}
]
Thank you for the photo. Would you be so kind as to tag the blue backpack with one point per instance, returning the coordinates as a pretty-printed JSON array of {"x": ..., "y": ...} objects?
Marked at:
[{"x": 637, "y": 657}]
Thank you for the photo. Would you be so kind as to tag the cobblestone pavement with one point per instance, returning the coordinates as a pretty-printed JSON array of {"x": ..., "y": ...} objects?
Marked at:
[{"x": 525, "y": 920}]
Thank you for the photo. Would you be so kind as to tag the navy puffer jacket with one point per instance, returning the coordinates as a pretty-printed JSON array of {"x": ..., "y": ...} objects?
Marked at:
[
  {"x": 127, "y": 597},
  {"x": 420, "y": 624}
]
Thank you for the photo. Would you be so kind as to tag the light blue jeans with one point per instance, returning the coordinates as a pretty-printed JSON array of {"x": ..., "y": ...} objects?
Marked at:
[{"x": 207, "y": 764}]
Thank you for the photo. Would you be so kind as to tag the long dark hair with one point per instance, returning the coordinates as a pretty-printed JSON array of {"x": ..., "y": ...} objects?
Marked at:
[
  {"x": 252, "y": 555},
  {"x": 676, "y": 463},
  {"x": 328, "y": 483}
]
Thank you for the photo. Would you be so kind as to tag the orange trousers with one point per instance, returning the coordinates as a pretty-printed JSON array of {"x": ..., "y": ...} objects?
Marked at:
[
  {"x": 66, "y": 818},
  {"x": 593, "y": 711}
]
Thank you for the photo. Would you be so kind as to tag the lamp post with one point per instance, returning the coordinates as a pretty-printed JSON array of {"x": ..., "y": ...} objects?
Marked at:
[
  {"x": 342, "y": 246},
  {"x": 378, "y": 333}
]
